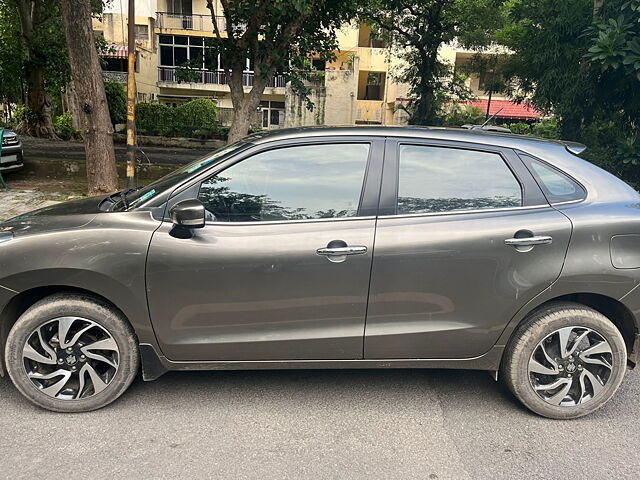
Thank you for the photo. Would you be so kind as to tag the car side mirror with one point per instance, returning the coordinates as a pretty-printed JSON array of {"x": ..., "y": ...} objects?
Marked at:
[{"x": 188, "y": 214}]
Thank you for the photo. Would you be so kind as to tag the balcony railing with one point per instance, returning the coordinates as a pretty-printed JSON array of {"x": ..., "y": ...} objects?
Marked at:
[
  {"x": 214, "y": 77},
  {"x": 120, "y": 77},
  {"x": 200, "y": 23}
]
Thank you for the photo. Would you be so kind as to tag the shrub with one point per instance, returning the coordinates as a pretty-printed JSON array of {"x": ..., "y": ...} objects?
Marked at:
[
  {"x": 197, "y": 118},
  {"x": 546, "y": 128},
  {"x": 519, "y": 128},
  {"x": 63, "y": 125},
  {"x": 154, "y": 119},
  {"x": 117, "y": 101},
  {"x": 197, "y": 115},
  {"x": 461, "y": 114}
]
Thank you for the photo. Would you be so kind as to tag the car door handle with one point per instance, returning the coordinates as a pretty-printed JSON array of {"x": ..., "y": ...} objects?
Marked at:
[
  {"x": 529, "y": 241},
  {"x": 330, "y": 251}
]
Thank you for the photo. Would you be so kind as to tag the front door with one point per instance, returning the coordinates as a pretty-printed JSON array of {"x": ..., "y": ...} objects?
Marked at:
[
  {"x": 281, "y": 269},
  {"x": 447, "y": 273}
]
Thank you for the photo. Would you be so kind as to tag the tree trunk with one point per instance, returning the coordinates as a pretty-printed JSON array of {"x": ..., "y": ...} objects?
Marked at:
[
  {"x": 245, "y": 104},
  {"x": 102, "y": 176},
  {"x": 38, "y": 121},
  {"x": 73, "y": 106}
]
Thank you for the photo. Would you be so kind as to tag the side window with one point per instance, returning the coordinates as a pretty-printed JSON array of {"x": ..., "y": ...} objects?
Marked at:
[
  {"x": 441, "y": 179},
  {"x": 290, "y": 183},
  {"x": 557, "y": 187}
]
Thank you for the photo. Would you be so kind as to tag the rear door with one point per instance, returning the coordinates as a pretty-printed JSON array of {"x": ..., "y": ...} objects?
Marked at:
[{"x": 464, "y": 239}]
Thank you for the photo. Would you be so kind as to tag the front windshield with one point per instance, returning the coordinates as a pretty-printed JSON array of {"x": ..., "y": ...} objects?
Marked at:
[{"x": 144, "y": 193}]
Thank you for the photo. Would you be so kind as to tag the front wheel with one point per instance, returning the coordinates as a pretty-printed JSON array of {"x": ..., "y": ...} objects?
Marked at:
[
  {"x": 565, "y": 361},
  {"x": 71, "y": 353}
]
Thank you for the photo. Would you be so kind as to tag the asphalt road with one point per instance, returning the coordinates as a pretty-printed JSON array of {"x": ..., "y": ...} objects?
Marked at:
[
  {"x": 38, "y": 148},
  {"x": 390, "y": 424}
]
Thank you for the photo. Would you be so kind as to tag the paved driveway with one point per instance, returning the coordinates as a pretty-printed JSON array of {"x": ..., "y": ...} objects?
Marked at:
[{"x": 319, "y": 424}]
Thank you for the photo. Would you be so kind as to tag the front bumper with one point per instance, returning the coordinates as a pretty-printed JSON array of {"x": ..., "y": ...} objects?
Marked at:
[
  {"x": 6, "y": 294},
  {"x": 11, "y": 159}
]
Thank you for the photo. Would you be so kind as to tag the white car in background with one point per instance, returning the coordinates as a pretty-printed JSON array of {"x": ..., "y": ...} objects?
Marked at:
[{"x": 11, "y": 154}]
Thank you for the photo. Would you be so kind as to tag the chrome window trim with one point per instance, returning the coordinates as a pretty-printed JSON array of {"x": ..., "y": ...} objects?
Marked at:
[
  {"x": 288, "y": 222},
  {"x": 460, "y": 212},
  {"x": 568, "y": 202}
]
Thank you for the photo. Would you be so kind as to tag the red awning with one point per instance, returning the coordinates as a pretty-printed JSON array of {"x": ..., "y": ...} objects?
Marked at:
[
  {"x": 116, "y": 50},
  {"x": 510, "y": 110}
]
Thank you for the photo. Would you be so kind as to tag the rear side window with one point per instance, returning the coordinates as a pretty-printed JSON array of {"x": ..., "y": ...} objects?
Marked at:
[
  {"x": 441, "y": 179},
  {"x": 290, "y": 183},
  {"x": 557, "y": 186}
]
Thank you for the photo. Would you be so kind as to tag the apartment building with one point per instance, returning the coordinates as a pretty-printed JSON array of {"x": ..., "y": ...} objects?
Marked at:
[{"x": 356, "y": 88}]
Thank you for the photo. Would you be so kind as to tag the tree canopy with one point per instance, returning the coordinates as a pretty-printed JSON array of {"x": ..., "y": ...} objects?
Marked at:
[
  {"x": 417, "y": 29},
  {"x": 278, "y": 36}
]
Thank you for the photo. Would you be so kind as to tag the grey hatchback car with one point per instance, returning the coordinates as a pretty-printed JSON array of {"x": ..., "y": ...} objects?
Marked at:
[{"x": 358, "y": 247}]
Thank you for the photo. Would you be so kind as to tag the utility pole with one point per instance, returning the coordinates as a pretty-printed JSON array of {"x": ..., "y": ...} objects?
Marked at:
[{"x": 131, "y": 95}]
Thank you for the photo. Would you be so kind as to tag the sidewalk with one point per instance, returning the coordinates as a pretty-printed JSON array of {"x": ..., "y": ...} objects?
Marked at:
[{"x": 17, "y": 202}]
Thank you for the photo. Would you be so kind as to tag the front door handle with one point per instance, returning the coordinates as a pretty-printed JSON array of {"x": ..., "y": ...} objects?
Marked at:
[
  {"x": 339, "y": 251},
  {"x": 529, "y": 241}
]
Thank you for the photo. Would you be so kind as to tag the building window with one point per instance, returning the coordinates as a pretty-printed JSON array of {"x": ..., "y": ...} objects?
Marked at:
[
  {"x": 179, "y": 7},
  {"x": 176, "y": 50},
  {"x": 371, "y": 85},
  {"x": 142, "y": 32},
  {"x": 319, "y": 65}
]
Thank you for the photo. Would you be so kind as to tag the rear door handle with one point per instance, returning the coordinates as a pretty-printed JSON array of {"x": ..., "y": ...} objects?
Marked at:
[
  {"x": 529, "y": 241},
  {"x": 330, "y": 251}
]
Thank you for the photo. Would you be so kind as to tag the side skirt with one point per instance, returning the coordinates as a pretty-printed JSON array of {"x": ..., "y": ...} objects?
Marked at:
[{"x": 155, "y": 365}]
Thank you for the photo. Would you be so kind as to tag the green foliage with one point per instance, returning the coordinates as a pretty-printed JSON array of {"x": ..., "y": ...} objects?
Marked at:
[
  {"x": 546, "y": 128},
  {"x": 197, "y": 118},
  {"x": 417, "y": 29},
  {"x": 63, "y": 126},
  {"x": 519, "y": 128},
  {"x": 11, "y": 60},
  {"x": 279, "y": 36},
  {"x": 616, "y": 41},
  {"x": 189, "y": 71},
  {"x": 461, "y": 114},
  {"x": 117, "y": 100},
  {"x": 583, "y": 69},
  {"x": 197, "y": 115},
  {"x": 154, "y": 119}
]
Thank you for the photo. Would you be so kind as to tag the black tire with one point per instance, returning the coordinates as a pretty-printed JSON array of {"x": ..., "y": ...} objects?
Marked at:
[
  {"x": 73, "y": 305},
  {"x": 537, "y": 328}
]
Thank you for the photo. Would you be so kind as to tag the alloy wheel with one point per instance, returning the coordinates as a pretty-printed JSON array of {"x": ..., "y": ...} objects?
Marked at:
[
  {"x": 570, "y": 366},
  {"x": 70, "y": 358}
]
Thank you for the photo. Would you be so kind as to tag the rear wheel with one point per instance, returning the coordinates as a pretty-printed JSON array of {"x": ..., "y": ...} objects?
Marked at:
[
  {"x": 565, "y": 361},
  {"x": 71, "y": 353}
]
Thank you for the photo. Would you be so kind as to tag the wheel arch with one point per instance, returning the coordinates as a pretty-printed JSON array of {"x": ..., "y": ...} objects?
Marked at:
[
  {"x": 20, "y": 302},
  {"x": 616, "y": 311}
]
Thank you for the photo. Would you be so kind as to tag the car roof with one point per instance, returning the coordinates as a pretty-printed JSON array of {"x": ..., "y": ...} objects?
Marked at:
[{"x": 436, "y": 133}]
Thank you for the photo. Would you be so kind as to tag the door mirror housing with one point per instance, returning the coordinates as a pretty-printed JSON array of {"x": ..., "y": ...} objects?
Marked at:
[{"x": 188, "y": 214}]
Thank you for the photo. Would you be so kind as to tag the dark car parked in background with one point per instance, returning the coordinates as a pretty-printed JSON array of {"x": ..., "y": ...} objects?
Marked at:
[
  {"x": 335, "y": 248},
  {"x": 11, "y": 152}
]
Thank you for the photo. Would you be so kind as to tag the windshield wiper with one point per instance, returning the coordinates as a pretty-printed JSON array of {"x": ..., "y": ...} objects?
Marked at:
[{"x": 123, "y": 198}]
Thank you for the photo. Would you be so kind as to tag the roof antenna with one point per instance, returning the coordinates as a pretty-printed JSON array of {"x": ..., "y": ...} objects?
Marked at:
[{"x": 491, "y": 117}]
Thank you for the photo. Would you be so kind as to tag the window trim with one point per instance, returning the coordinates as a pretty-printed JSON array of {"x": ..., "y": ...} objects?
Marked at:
[
  {"x": 527, "y": 163},
  {"x": 368, "y": 202},
  {"x": 532, "y": 196}
]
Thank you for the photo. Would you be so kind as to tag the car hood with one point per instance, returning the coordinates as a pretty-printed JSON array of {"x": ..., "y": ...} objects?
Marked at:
[{"x": 62, "y": 216}]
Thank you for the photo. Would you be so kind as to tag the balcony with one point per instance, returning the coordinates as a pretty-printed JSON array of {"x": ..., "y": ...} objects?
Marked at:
[
  {"x": 197, "y": 23},
  {"x": 120, "y": 77},
  {"x": 214, "y": 77}
]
